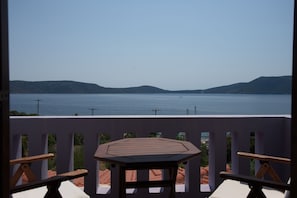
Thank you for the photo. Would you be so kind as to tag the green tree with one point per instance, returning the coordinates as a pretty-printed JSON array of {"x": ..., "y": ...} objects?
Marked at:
[
  {"x": 204, "y": 154},
  {"x": 17, "y": 113}
]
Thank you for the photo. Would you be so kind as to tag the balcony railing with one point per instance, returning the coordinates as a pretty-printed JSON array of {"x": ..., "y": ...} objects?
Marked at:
[{"x": 271, "y": 135}]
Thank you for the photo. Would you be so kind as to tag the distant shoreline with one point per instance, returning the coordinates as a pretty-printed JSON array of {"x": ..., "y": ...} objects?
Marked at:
[
  {"x": 261, "y": 85},
  {"x": 151, "y": 104}
]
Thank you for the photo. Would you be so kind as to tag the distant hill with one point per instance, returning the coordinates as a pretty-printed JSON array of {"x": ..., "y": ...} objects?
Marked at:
[
  {"x": 53, "y": 87},
  {"x": 74, "y": 87},
  {"x": 262, "y": 85}
]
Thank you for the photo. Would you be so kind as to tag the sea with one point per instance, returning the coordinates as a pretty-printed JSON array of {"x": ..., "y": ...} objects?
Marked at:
[{"x": 151, "y": 104}]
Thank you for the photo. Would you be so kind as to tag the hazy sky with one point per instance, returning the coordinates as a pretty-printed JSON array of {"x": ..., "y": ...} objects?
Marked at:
[{"x": 171, "y": 44}]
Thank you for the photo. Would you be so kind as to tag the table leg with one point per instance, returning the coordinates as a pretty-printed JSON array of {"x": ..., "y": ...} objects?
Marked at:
[
  {"x": 172, "y": 175},
  {"x": 122, "y": 182}
]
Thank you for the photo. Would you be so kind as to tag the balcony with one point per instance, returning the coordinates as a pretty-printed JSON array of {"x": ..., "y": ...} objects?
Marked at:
[{"x": 271, "y": 135}]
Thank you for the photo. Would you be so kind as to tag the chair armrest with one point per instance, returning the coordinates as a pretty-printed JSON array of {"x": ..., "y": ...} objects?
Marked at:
[
  {"x": 264, "y": 157},
  {"x": 52, "y": 181},
  {"x": 37, "y": 184},
  {"x": 74, "y": 174},
  {"x": 31, "y": 158},
  {"x": 253, "y": 181}
]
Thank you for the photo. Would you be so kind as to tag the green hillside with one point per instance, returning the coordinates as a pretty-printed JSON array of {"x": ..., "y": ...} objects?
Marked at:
[{"x": 261, "y": 85}]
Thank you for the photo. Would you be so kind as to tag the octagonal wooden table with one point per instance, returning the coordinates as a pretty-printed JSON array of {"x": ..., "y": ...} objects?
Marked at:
[{"x": 147, "y": 153}]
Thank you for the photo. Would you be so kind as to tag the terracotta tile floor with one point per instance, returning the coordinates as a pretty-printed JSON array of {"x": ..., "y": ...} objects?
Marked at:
[{"x": 104, "y": 176}]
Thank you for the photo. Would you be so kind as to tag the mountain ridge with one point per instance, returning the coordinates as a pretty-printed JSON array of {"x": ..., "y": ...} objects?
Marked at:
[{"x": 261, "y": 85}]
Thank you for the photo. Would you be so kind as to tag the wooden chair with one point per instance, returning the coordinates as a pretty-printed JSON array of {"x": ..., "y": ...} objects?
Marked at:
[
  {"x": 256, "y": 186},
  {"x": 53, "y": 187}
]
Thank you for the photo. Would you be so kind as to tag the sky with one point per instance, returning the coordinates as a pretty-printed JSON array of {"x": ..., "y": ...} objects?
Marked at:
[{"x": 170, "y": 44}]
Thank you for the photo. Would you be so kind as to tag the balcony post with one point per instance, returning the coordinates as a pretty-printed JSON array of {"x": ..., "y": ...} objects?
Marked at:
[
  {"x": 240, "y": 143},
  {"x": 65, "y": 150},
  {"x": 38, "y": 144},
  {"x": 217, "y": 161},
  {"x": 192, "y": 169},
  {"x": 92, "y": 165}
]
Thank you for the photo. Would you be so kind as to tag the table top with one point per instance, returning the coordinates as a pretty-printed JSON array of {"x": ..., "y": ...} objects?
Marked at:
[{"x": 146, "y": 150}]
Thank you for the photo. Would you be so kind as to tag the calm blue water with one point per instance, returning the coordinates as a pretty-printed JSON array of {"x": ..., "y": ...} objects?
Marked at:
[{"x": 145, "y": 104}]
